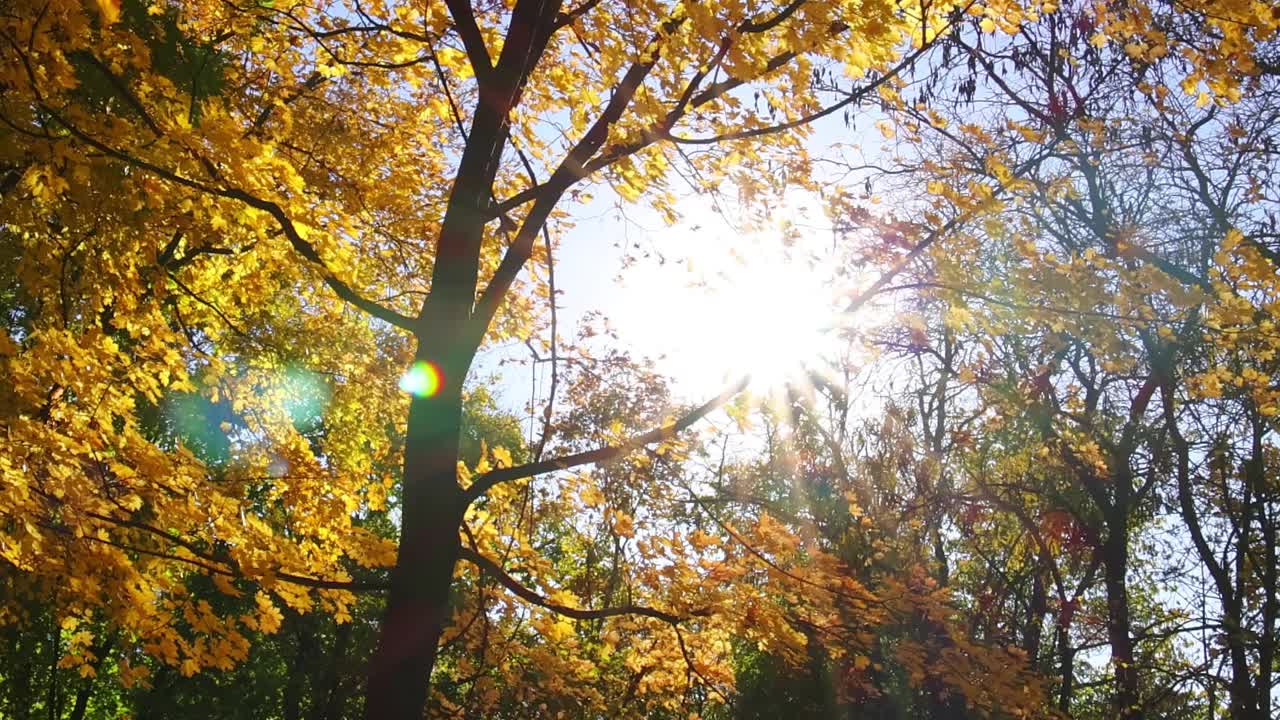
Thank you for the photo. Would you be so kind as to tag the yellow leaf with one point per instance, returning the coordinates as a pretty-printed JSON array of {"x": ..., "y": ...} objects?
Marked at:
[
  {"x": 501, "y": 457},
  {"x": 223, "y": 583},
  {"x": 623, "y": 525},
  {"x": 109, "y": 10},
  {"x": 591, "y": 496}
]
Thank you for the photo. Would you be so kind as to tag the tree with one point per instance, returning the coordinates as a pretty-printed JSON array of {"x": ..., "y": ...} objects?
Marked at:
[
  {"x": 190, "y": 188},
  {"x": 258, "y": 248},
  {"x": 1104, "y": 209}
]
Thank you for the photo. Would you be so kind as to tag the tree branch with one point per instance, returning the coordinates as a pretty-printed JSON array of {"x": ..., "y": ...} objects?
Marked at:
[
  {"x": 304, "y": 248},
  {"x": 308, "y": 251},
  {"x": 570, "y": 171},
  {"x": 487, "y": 481},
  {"x": 232, "y": 569},
  {"x": 492, "y": 569},
  {"x": 472, "y": 41},
  {"x": 688, "y": 100},
  {"x": 853, "y": 97},
  {"x": 455, "y": 277}
]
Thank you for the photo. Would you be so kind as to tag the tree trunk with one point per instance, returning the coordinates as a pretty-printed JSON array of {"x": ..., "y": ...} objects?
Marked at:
[
  {"x": 86, "y": 688},
  {"x": 1066, "y": 668},
  {"x": 418, "y": 601},
  {"x": 326, "y": 702},
  {"x": 1242, "y": 700},
  {"x": 1243, "y": 704},
  {"x": 1115, "y": 565},
  {"x": 304, "y": 648},
  {"x": 20, "y": 698},
  {"x": 1258, "y": 697},
  {"x": 1270, "y": 612},
  {"x": 1033, "y": 629},
  {"x": 451, "y": 326},
  {"x": 54, "y": 701}
]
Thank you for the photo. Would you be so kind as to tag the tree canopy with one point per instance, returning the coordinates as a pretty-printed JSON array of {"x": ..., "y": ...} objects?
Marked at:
[{"x": 252, "y": 463}]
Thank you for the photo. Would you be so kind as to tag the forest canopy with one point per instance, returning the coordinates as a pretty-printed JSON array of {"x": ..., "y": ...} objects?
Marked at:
[{"x": 1001, "y": 295}]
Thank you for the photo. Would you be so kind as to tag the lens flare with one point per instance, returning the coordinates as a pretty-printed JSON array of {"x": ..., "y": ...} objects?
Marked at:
[
  {"x": 306, "y": 396},
  {"x": 422, "y": 379}
]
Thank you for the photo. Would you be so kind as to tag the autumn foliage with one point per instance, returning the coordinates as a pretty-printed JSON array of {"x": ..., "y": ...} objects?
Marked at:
[{"x": 251, "y": 464}]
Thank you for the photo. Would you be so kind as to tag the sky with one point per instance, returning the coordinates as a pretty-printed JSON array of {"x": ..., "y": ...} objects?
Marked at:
[{"x": 707, "y": 299}]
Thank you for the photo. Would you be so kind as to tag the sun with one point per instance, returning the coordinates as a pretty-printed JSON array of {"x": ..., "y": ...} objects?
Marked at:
[
  {"x": 772, "y": 319},
  {"x": 727, "y": 297},
  {"x": 742, "y": 308}
]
